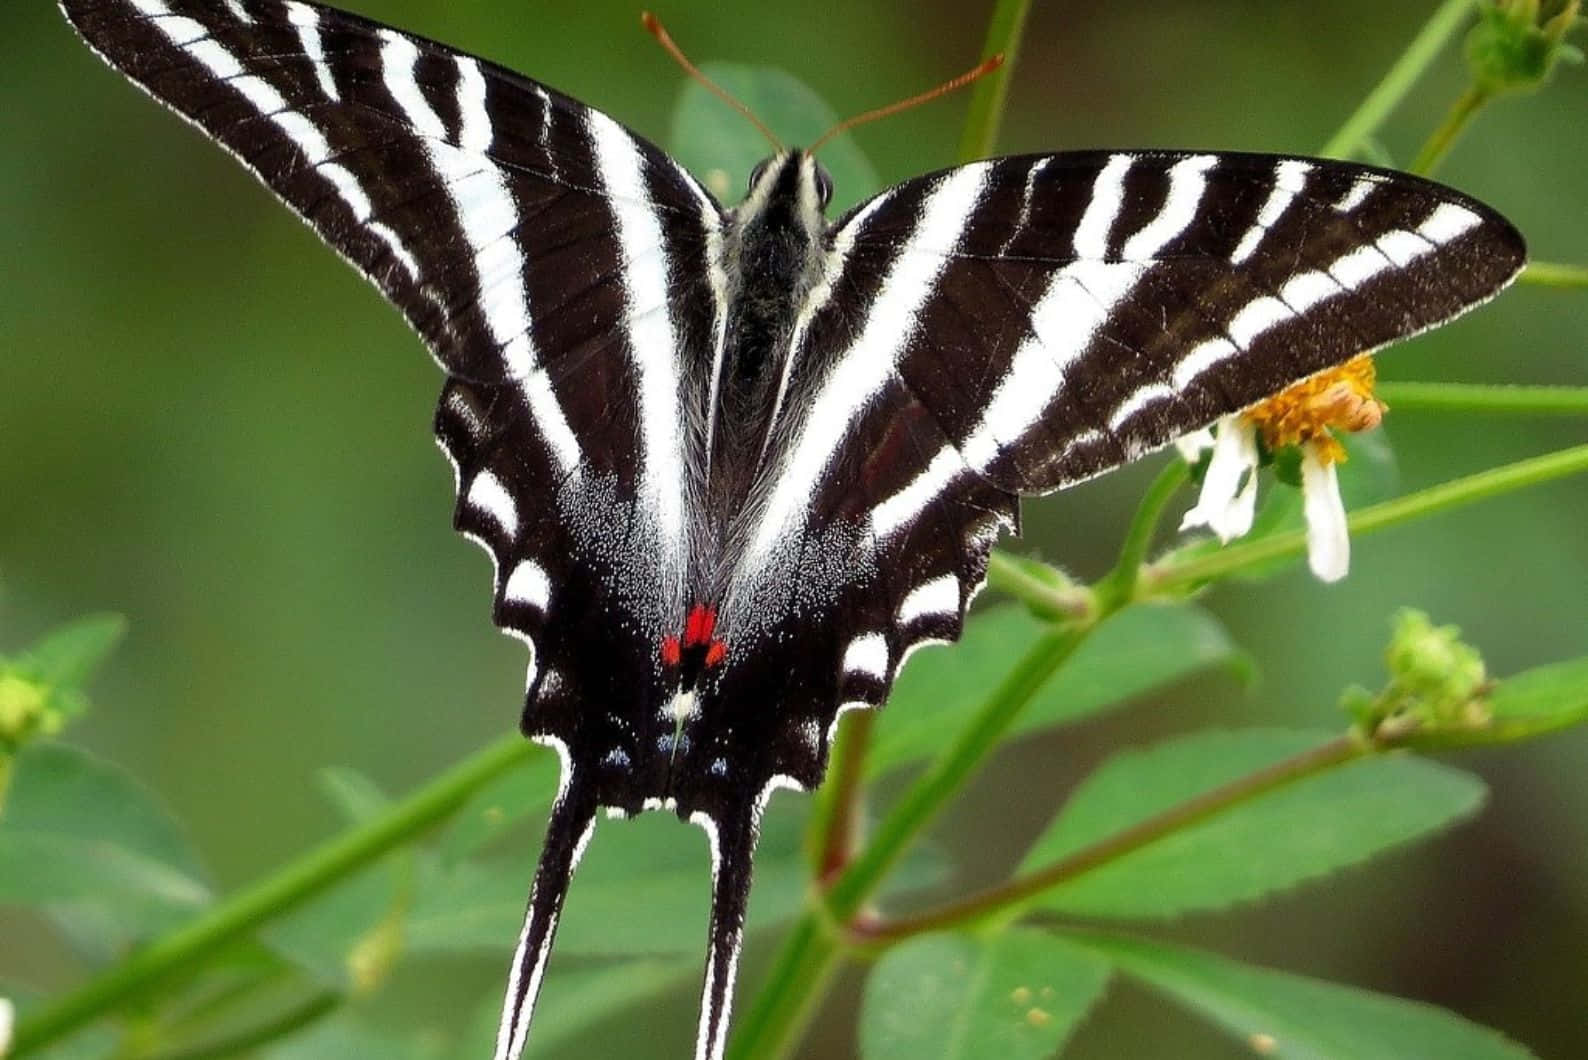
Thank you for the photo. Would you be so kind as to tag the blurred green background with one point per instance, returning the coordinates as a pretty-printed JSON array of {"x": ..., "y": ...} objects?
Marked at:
[{"x": 209, "y": 424}]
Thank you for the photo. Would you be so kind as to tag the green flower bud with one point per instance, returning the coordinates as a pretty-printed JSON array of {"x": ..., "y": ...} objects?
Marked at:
[
  {"x": 1516, "y": 43},
  {"x": 1431, "y": 667},
  {"x": 25, "y": 711}
]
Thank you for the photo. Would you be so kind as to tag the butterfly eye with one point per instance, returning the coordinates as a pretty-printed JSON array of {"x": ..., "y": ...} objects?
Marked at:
[
  {"x": 758, "y": 172},
  {"x": 824, "y": 186}
]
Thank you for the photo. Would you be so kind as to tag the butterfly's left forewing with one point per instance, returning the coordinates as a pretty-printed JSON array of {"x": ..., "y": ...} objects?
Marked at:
[{"x": 568, "y": 277}]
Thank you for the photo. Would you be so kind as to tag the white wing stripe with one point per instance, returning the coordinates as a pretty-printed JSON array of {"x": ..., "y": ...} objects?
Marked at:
[
  {"x": 1139, "y": 399},
  {"x": 1256, "y": 317},
  {"x": 270, "y": 104},
  {"x": 1447, "y": 222},
  {"x": 648, "y": 321},
  {"x": 1102, "y": 209},
  {"x": 1187, "y": 184},
  {"x": 1356, "y": 194},
  {"x": 899, "y": 510},
  {"x": 870, "y": 361},
  {"x": 1077, "y": 302},
  {"x": 488, "y": 217},
  {"x": 1203, "y": 356},
  {"x": 1397, "y": 248},
  {"x": 308, "y": 22},
  {"x": 1290, "y": 177}
]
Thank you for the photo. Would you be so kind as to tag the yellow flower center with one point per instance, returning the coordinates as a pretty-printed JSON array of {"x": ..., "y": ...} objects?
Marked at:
[{"x": 1340, "y": 398}]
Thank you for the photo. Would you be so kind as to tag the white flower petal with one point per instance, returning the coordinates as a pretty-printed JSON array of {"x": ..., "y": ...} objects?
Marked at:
[
  {"x": 1328, "y": 546},
  {"x": 1228, "y": 500},
  {"x": 1192, "y": 446},
  {"x": 8, "y": 1015}
]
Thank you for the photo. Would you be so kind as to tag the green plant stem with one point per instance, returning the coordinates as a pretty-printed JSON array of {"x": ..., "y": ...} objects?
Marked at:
[
  {"x": 813, "y": 948},
  {"x": 789, "y": 996},
  {"x": 1437, "y": 146},
  {"x": 1398, "y": 81},
  {"x": 1055, "y": 602},
  {"x": 1186, "y": 573},
  {"x": 989, "y": 95},
  {"x": 1554, "y": 274},
  {"x": 1119, "y": 585},
  {"x": 1193, "y": 811},
  {"x": 284, "y": 890},
  {"x": 840, "y": 829},
  {"x": 1486, "y": 398},
  {"x": 949, "y": 772},
  {"x": 310, "y": 1012}
]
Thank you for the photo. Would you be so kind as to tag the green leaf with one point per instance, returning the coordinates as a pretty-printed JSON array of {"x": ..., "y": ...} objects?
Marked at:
[
  {"x": 1135, "y": 651},
  {"x": 1525, "y": 706},
  {"x": 321, "y": 936},
  {"x": 501, "y": 806},
  {"x": 1292, "y": 833},
  {"x": 1295, "y": 1018},
  {"x": 1543, "y": 699},
  {"x": 1016, "y": 995},
  {"x": 348, "y": 1038},
  {"x": 66, "y": 657},
  {"x": 720, "y": 147},
  {"x": 576, "y": 1000},
  {"x": 77, "y": 829},
  {"x": 355, "y": 795},
  {"x": 328, "y": 936}
]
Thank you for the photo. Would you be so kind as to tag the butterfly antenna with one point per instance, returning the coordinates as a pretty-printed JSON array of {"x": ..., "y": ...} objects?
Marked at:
[
  {"x": 733, "y": 839},
  {"x": 944, "y": 89},
  {"x": 572, "y": 822},
  {"x": 654, "y": 26}
]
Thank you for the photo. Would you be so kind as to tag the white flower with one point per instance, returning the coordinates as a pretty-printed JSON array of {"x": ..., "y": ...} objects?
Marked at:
[
  {"x": 1228, "y": 501},
  {"x": 1328, "y": 546},
  {"x": 8, "y": 1015},
  {"x": 1229, "y": 489},
  {"x": 1305, "y": 414}
]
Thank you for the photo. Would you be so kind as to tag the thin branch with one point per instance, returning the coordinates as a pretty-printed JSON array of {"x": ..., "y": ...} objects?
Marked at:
[
  {"x": 1118, "y": 586},
  {"x": 1554, "y": 274},
  {"x": 987, "y": 100},
  {"x": 1438, "y": 145},
  {"x": 1308, "y": 763},
  {"x": 304, "y": 1015},
  {"x": 1486, "y": 398},
  {"x": 1398, "y": 81},
  {"x": 840, "y": 834},
  {"x": 284, "y": 890},
  {"x": 1481, "y": 486}
]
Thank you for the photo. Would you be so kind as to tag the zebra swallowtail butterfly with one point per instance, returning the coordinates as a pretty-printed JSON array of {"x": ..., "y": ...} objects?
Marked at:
[{"x": 733, "y": 464}]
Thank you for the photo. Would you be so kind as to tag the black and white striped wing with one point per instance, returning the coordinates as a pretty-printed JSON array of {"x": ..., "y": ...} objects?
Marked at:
[
  {"x": 1014, "y": 326},
  {"x": 565, "y": 273}
]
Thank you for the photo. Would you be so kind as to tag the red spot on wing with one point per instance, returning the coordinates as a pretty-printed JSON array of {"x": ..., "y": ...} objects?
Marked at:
[
  {"x": 716, "y": 653},
  {"x": 670, "y": 651},
  {"x": 697, "y": 629}
]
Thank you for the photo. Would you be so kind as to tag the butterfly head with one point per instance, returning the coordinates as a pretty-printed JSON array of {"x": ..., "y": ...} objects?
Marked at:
[{"x": 790, "y": 187}]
